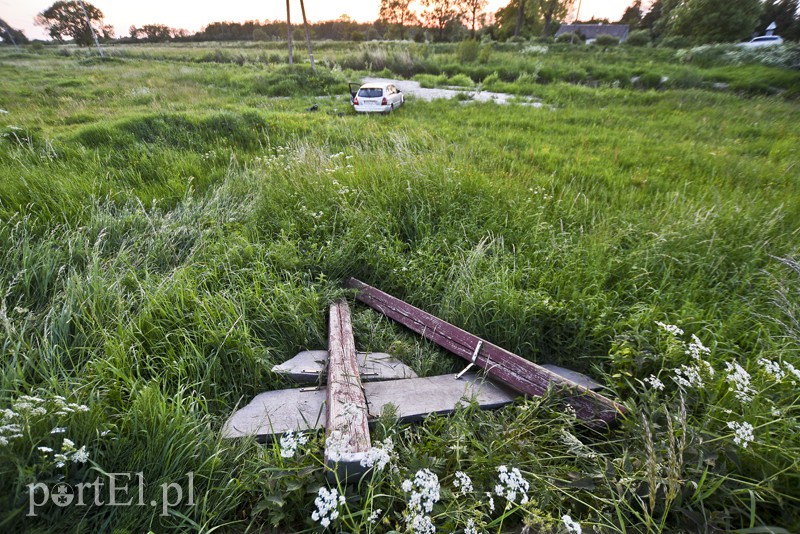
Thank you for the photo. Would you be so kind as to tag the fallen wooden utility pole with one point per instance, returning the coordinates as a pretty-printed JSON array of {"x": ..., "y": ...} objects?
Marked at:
[
  {"x": 519, "y": 374},
  {"x": 347, "y": 426}
]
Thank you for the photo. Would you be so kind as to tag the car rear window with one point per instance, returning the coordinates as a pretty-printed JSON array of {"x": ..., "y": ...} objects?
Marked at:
[{"x": 370, "y": 92}]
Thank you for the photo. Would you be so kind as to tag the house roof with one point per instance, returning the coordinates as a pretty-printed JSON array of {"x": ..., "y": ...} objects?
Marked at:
[{"x": 593, "y": 31}]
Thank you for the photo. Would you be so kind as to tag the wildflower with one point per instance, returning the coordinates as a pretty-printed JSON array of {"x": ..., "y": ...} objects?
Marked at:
[
  {"x": 511, "y": 483},
  {"x": 374, "y": 516},
  {"x": 470, "y": 528},
  {"x": 427, "y": 488},
  {"x": 743, "y": 433},
  {"x": 61, "y": 459},
  {"x": 8, "y": 415},
  {"x": 336, "y": 445},
  {"x": 670, "y": 328},
  {"x": 772, "y": 368},
  {"x": 422, "y": 524},
  {"x": 44, "y": 450},
  {"x": 289, "y": 443},
  {"x": 696, "y": 348},
  {"x": 740, "y": 380},
  {"x": 655, "y": 383},
  {"x": 327, "y": 502},
  {"x": 81, "y": 455},
  {"x": 573, "y": 527},
  {"x": 68, "y": 443},
  {"x": 379, "y": 456},
  {"x": 792, "y": 369},
  {"x": 58, "y": 430},
  {"x": 490, "y": 501},
  {"x": 463, "y": 481},
  {"x": 688, "y": 376}
]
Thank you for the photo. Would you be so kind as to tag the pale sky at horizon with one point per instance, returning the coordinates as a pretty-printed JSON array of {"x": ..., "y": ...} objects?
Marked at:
[{"x": 193, "y": 15}]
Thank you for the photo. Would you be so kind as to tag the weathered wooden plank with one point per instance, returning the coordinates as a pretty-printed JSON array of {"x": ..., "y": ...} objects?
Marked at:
[
  {"x": 346, "y": 422},
  {"x": 516, "y": 372}
]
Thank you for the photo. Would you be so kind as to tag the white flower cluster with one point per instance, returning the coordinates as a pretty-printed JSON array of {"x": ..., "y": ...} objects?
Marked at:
[
  {"x": 379, "y": 455},
  {"x": 26, "y": 407},
  {"x": 463, "y": 482},
  {"x": 792, "y": 369},
  {"x": 290, "y": 441},
  {"x": 696, "y": 349},
  {"x": 424, "y": 490},
  {"x": 470, "y": 528},
  {"x": 742, "y": 433},
  {"x": 740, "y": 379},
  {"x": 688, "y": 376},
  {"x": 336, "y": 445},
  {"x": 374, "y": 516},
  {"x": 655, "y": 383},
  {"x": 772, "y": 368},
  {"x": 327, "y": 502},
  {"x": 512, "y": 482},
  {"x": 573, "y": 527},
  {"x": 68, "y": 452},
  {"x": 671, "y": 329}
]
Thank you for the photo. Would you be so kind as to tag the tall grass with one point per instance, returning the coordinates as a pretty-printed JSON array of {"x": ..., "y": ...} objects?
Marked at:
[{"x": 163, "y": 248}]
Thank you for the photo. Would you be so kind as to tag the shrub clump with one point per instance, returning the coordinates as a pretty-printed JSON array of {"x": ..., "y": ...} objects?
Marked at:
[
  {"x": 606, "y": 40},
  {"x": 638, "y": 38},
  {"x": 569, "y": 37},
  {"x": 468, "y": 50}
]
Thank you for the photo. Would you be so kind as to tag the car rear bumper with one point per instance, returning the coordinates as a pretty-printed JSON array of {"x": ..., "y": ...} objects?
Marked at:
[{"x": 372, "y": 109}]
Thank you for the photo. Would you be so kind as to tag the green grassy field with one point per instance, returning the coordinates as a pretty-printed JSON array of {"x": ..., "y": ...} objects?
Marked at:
[{"x": 173, "y": 223}]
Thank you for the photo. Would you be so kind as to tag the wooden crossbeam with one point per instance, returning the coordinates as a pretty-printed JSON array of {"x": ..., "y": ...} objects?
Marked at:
[
  {"x": 347, "y": 417},
  {"x": 514, "y": 371}
]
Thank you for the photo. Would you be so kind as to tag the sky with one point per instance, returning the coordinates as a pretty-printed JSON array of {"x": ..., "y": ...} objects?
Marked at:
[{"x": 193, "y": 15}]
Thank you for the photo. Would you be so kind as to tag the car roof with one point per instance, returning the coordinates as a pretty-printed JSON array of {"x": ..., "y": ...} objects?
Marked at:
[{"x": 376, "y": 85}]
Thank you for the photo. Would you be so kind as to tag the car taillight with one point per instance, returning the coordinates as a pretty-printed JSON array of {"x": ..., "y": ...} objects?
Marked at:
[
  {"x": 384, "y": 101},
  {"x": 355, "y": 100}
]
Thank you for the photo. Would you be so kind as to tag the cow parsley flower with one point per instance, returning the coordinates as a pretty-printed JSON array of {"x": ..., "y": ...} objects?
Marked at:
[
  {"x": 327, "y": 502},
  {"x": 470, "y": 528},
  {"x": 80, "y": 456},
  {"x": 512, "y": 482},
  {"x": 463, "y": 482},
  {"x": 696, "y": 349},
  {"x": 44, "y": 450},
  {"x": 742, "y": 433},
  {"x": 670, "y": 328},
  {"x": 740, "y": 379},
  {"x": 688, "y": 377},
  {"x": 573, "y": 527},
  {"x": 379, "y": 455},
  {"x": 792, "y": 369},
  {"x": 772, "y": 368},
  {"x": 374, "y": 516},
  {"x": 290, "y": 441},
  {"x": 655, "y": 383},
  {"x": 336, "y": 445},
  {"x": 424, "y": 491}
]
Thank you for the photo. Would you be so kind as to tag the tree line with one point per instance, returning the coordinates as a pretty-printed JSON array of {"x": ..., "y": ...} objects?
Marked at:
[{"x": 697, "y": 21}]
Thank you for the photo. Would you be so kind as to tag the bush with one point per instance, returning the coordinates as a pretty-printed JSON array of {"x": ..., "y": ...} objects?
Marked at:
[
  {"x": 638, "y": 38},
  {"x": 461, "y": 80},
  {"x": 468, "y": 50},
  {"x": 357, "y": 37},
  {"x": 569, "y": 37},
  {"x": 485, "y": 54},
  {"x": 675, "y": 41},
  {"x": 606, "y": 40}
]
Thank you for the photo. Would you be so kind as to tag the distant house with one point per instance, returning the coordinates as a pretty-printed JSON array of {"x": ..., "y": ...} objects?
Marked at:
[{"x": 593, "y": 31}]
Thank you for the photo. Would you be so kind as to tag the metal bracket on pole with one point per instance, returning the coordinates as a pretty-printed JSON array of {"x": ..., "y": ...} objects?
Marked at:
[{"x": 474, "y": 359}]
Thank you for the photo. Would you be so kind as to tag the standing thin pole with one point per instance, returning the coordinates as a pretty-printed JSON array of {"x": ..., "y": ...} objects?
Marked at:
[
  {"x": 308, "y": 35},
  {"x": 289, "y": 30},
  {"x": 89, "y": 23},
  {"x": 10, "y": 36},
  {"x": 578, "y": 13}
]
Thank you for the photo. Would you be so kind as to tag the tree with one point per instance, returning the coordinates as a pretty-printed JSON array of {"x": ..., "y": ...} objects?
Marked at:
[
  {"x": 657, "y": 19},
  {"x": 438, "y": 14},
  {"x": 11, "y": 35},
  {"x": 153, "y": 33},
  {"x": 66, "y": 18},
  {"x": 553, "y": 9},
  {"x": 471, "y": 10},
  {"x": 518, "y": 17},
  {"x": 289, "y": 31},
  {"x": 633, "y": 14},
  {"x": 784, "y": 13},
  {"x": 715, "y": 21},
  {"x": 397, "y": 13}
]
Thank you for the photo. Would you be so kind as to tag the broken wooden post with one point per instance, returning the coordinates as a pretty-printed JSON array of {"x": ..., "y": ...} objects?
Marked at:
[
  {"x": 347, "y": 431},
  {"x": 514, "y": 371}
]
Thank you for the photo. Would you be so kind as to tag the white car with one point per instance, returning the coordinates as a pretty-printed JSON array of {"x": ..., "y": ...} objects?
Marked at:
[
  {"x": 764, "y": 40},
  {"x": 378, "y": 97}
]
